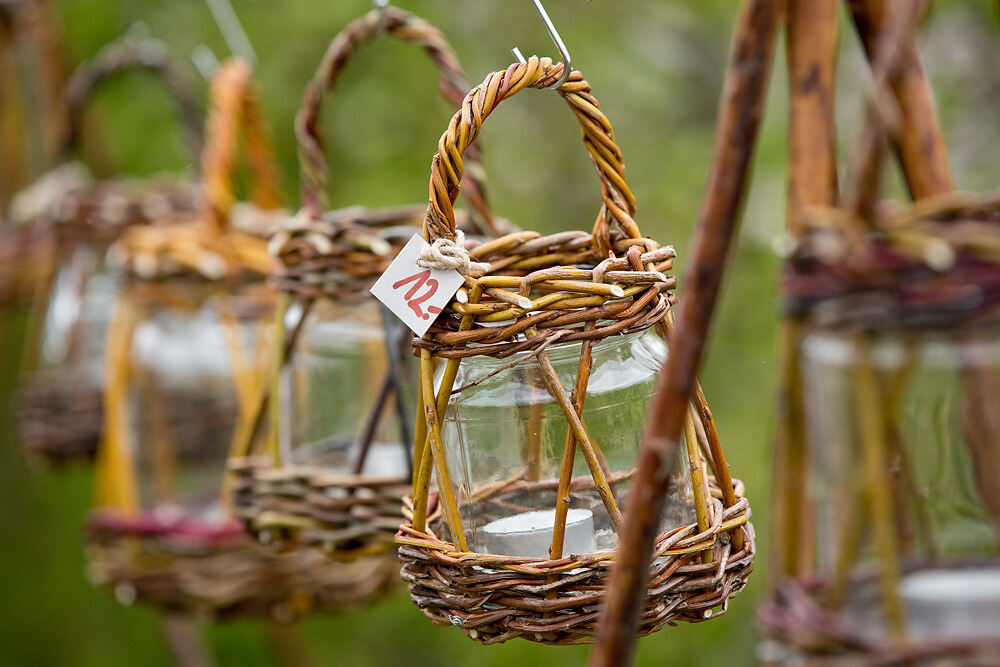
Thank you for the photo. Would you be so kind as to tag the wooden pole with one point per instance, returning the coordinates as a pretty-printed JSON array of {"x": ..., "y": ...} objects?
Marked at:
[{"x": 741, "y": 108}]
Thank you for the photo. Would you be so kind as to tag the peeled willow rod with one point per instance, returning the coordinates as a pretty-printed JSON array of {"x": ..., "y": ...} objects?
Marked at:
[
  {"x": 919, "y": 142},
  {"x": 811, "y": 49},
  {"x": 740, "y": 111}
]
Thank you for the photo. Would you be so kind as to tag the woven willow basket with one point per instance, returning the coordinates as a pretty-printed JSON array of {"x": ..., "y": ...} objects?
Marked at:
[
  {"x": 204, "y": 566},
  {"x": 926, "y": 271},
  {"x": 59, "y": 404},
  {"x": 539, "y": 290},
  {"x": 336, "y": 256}
]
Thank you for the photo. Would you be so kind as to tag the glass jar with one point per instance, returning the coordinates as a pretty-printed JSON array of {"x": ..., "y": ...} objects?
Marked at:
[
  {"x": 77, "y": 316},
  {"x": 904, "y": 489},
  {"x": 197, "y": 365},
  {"x": 504, "y": 440},
  {"x": 333, "y": 393}
]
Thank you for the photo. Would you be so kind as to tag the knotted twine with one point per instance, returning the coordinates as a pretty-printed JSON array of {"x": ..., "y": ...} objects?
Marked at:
[{"x": 446, "y": 254}]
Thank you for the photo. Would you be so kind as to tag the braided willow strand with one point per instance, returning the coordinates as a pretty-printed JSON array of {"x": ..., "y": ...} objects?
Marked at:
[
  {"x": 150, "y": 56},
  {"x": 447, "y": 168},
  {"x": 235, "y": 113},
  {"x": 407, "y": 28}
]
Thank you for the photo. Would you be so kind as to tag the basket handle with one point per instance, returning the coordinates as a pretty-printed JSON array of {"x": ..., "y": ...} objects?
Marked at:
[
  {"x": 408, "y": 28},
  {"x": 618, "y": 202},
  {"x": 235, "y": 114},
  {"x": 149, "y": 55}
]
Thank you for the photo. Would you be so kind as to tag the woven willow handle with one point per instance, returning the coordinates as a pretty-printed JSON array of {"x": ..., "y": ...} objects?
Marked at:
[
  {"x": 235, "y": 114},
  {"x": 447, "y": 167},
  {"x": 407, "y": 28},
  {"x": 150, "y": 56}
]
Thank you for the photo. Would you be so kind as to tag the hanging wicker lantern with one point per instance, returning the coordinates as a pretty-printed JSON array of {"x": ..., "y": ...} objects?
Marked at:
[
  {"x": 896, "y": 533},
  {"x": 550, "y": 351},
  {"x": 337, "y": 469},
  {"x": 59, "y": 409},
  {"x": 187, "y": 355}
]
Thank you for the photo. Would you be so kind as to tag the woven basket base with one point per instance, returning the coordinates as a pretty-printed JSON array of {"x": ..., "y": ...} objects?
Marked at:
[
  {"x": 346, "y": 515},
  {"x": 234, "y": 577},
  {"x": 60, "y": 417},
  {"x": 497, "y": 598},
  {"x": 799, "y": 631}
]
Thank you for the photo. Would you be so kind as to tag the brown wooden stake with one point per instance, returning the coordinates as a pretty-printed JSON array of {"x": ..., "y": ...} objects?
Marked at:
[{"x": 741, "y": 108}]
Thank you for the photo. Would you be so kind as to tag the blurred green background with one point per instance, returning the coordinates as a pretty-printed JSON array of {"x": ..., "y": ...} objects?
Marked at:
[{"x": 656, "y": 67}]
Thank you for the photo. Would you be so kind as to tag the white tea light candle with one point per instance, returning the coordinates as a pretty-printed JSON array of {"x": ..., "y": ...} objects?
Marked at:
[
  {"x": 530, "y": 534},
  {"x": 386, "y": 460},
  {"x": 947, "y": 605}
]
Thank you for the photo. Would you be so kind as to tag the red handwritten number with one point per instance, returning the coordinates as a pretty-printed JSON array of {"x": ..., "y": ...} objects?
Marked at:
[{"x": 421, "y": 279}]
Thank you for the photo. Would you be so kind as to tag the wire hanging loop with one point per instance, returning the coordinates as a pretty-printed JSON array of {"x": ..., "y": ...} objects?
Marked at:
[
  {"x": 233, "y": 33},
  {"x": 560, "y": 45},
  {"x": 380, "y": 6}
]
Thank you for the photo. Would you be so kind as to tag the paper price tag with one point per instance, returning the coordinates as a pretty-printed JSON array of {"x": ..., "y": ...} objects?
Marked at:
[{"x": 414, "y": 294}]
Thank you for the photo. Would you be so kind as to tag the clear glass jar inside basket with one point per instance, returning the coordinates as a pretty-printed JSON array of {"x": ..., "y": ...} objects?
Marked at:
[
  {"x": 507, "y": 427},
  {"x": 196, "y": 366},
  {"x": 332, "y": 395},
  {"x": 928, "y": 404}
]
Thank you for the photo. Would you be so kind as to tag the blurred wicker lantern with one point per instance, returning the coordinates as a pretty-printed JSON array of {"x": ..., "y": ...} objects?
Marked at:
[
  {"x": 187, "y": 354},
  {"x": 59, "y": 411},
  {"x": 336, "y": 473},
  {"x": 897, "y": 532},
  {"x": 529, "y": 527}
]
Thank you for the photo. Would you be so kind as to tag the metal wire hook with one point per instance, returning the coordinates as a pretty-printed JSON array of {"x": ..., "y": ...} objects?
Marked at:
[
  {"x": 554, "y": 34},
  {"x": 232, "y": 30},
  {"x": 380, "y": 7}
]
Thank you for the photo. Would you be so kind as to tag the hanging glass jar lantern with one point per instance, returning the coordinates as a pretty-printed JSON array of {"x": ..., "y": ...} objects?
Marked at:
[
  {"x": 897, "y": 528},
  {"x": 546, "y": 364},
  {"x": 59, "y": 409},
  {"x": 337, "y": 467},
  {"x": 187, "y": 355}
]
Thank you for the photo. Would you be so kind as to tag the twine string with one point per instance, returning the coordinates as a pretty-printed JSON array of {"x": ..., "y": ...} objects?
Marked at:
[{"x": 446, "y": 254}]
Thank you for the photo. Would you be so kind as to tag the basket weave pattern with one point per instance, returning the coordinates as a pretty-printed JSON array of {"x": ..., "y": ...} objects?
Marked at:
[
  {"x": 497, "y": 598},
  {"x": 219, "y": 572},
  {"x": 347, "y": 515},
  {"x": 918, "y": 271}
]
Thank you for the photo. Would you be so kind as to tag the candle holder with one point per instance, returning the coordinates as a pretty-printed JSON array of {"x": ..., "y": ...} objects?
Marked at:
[
  {"x": 187, "y": 353},
  {"x": 892, "y": 524},
  {"x": 337, "y": 465},
  {"x": 76, "y": 218},
  {"x": 550, "y": 351}
]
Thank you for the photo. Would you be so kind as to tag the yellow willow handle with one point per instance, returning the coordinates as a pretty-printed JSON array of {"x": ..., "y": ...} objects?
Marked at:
[
  {"x": 116, "y": 485},
  {"x": 235, "y": 114}
]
